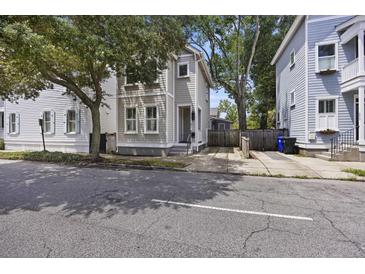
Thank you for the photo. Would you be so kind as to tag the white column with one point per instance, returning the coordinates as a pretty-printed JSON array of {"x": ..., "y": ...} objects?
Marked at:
[
  {"x": 361, "y": 116},
  {"x": 360, "y": 48}
]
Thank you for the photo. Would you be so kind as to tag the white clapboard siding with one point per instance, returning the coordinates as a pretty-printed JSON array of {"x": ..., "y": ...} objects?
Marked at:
[{"x": 29, "y": 137}]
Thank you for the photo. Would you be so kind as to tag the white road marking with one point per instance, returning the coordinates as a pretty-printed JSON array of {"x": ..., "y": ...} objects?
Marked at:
[{"x": 235, "y": 210}]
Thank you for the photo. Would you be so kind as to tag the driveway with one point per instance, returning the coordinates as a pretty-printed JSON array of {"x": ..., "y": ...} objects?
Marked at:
[
  {"x": 60, "y": 211},
  {"x": 269, "y": 163}
]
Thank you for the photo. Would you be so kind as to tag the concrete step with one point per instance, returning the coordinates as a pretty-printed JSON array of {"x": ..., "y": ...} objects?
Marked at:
[
  {"x": 179, "y": 150},
  {"x": 324, "y": 156}
]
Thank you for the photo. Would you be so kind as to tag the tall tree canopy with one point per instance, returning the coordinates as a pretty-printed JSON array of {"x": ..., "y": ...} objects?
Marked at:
[
  {"x": 239, "y": 50},
  {"x": 229, "y": 43},
  {"x": 262, "y": 99},
  {"x": 80, "y": 53}
]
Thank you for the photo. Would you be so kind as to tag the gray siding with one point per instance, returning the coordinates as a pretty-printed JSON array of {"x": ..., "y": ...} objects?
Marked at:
[
  {"x": 289, "y": 79},
  {"x": 140, "y": 103},
  {"x": 108, "y": 113},
  {"x": 29, "y": 137},
  {"x": 203, "y": 103},
  {"x": 328, "y": 85}
]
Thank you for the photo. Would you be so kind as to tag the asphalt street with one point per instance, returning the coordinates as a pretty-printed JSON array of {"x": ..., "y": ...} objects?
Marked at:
[{"x": 51, "y": 210}]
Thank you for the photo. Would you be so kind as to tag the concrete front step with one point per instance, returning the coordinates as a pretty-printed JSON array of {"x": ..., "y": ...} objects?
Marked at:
[
  {"x": 179, "y": 150},
  {"x": 324, "y": 156}
]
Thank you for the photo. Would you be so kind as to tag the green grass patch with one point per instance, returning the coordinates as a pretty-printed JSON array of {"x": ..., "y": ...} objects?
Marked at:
[
  {"x": 2, "y": 144},
  {"x": 72, "y": 158},
  {"x": 358, "y": 172}
]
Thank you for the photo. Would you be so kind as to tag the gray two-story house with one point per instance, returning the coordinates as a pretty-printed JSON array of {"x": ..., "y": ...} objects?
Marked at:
[
  {"x": 169, "y": 116},
  {"x": 320, "y": 81}
]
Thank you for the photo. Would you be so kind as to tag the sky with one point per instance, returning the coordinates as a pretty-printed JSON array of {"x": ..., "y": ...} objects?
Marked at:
[{"x": 216, "y": 96}]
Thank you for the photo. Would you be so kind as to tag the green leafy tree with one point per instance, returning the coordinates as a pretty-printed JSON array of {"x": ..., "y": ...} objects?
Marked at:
[
  {"x": 262, "y": 98},
  {"x": 231, "y": 111},
  {"x": 80, "y": 53},
  {"x": 229, "y": 43}
]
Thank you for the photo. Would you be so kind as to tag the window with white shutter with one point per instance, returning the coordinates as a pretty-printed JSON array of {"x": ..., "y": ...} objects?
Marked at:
[{"x": 327, "y": 114}]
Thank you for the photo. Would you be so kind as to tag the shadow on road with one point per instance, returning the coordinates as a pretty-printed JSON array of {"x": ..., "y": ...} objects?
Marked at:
[{"x": 83, "y": 191}]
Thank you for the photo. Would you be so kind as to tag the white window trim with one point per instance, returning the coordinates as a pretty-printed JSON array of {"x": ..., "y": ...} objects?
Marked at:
[
  {"x": 317, "y": 57},
  {"x": 125, "y": 120},
  {"x": 292, "y": 104},
  {"x": 178, "y": 69},
  {"x": 76, "y": 113},
  {"x": 290, "y": 63},
  {"x": 157, "y": 119},
  {"x": 52, "y": 132},
  {"x": 12, "y": 132},
  {"x": 201, "y": 119},
  {"x": 336, "y": 111}
]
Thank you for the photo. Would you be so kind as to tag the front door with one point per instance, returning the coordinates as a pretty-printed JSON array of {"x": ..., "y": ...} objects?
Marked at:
[{"x": 184, "y": 124}]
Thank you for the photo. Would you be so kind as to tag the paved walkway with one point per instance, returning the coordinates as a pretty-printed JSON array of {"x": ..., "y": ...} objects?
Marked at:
[{"x": 230, "y": 160}]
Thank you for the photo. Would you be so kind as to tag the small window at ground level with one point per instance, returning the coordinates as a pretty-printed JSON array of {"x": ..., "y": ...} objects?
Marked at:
[
  {"x": 326, "y": 106},
  {"x": 183, "y": 70},
  {"x": 131, "y": 120},
  {"x": 151, "y": 119}
]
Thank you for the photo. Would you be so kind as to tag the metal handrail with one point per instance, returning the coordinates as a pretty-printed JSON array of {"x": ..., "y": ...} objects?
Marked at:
[
  {"x": 188, "y": 144},
  {"x": 342, "y": 142}
]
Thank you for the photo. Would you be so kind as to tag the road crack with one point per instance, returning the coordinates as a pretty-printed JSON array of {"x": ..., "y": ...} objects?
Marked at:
[{"x": 347, "y": 239}]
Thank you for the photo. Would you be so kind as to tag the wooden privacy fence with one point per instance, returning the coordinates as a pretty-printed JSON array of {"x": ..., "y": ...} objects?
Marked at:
[
  {"x": 224, "y": 138},
  {"x": 264, "y": 139}
]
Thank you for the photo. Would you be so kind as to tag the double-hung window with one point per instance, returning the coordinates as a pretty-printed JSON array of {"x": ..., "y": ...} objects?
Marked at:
[
  {"x": 71, "y": 121},
  {"x": 1, "y": 120},
  {"x": 327, "y": 114},
  {"x": 151, "y": 120},
  {"x": 47, "y": 122},
  {"x": 326, "y": 56},
  {"x": 131, "y": 120},
  {"x": 12, "y": 123}
]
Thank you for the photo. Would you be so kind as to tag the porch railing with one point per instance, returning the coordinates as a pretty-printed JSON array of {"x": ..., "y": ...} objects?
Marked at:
[
  {"x": 342, "y": 142},
  {"x": 351, "y": 70}
]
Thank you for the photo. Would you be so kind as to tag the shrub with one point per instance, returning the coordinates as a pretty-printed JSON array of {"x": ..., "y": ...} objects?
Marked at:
[{"x": 2, "y": 144}]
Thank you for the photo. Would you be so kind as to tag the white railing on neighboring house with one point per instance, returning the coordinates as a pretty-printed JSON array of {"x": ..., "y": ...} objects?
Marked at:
[{"x": 351, "y": 70}]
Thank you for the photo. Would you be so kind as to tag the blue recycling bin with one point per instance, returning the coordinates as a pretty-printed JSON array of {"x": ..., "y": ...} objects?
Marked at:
[{"x": 280, "y": 142}]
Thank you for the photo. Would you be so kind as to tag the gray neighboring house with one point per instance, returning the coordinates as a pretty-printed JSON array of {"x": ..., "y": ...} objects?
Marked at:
[
  {"x": 320, "y": 80},
  {"x": 218, "y": 123},
  {"x": 145, "y": 120}
]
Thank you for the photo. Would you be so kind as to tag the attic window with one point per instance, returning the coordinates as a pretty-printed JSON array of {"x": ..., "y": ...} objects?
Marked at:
[{"x": 183, "y": 70}]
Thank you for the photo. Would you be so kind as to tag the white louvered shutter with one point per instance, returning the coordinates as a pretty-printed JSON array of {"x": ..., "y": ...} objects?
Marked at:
[
  {"x": 53, "y": 122},
  {"x": 65, "y": 121},
  {"x": 17, "y": 123},
  {"x": 78, "y": 121}
]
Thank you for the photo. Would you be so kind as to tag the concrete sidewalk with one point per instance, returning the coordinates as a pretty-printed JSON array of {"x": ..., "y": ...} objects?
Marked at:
[
  {"x": 269, "y": 163},
  {"x": 298, "y": 166}
]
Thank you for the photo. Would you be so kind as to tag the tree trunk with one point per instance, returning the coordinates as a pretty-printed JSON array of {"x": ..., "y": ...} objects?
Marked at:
[
  {"x": 241, "y": 109},
  {"x": 95, "y": 142}
]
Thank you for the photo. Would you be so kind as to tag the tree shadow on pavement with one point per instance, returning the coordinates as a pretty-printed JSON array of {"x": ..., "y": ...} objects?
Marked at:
[{"x": 83, "y": 191}]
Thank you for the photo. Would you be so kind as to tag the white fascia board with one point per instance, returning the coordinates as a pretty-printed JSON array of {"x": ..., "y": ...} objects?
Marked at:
[
  {"x": 294, "y": 27},
  {"x": 350, "y": 22}
]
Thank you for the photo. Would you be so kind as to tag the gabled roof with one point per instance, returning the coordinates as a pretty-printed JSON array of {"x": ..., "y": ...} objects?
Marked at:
[
  {"x": 294, "y": 27},
  {"x": 350, "y": 22},
  {"x": 202, "y": 63}
]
